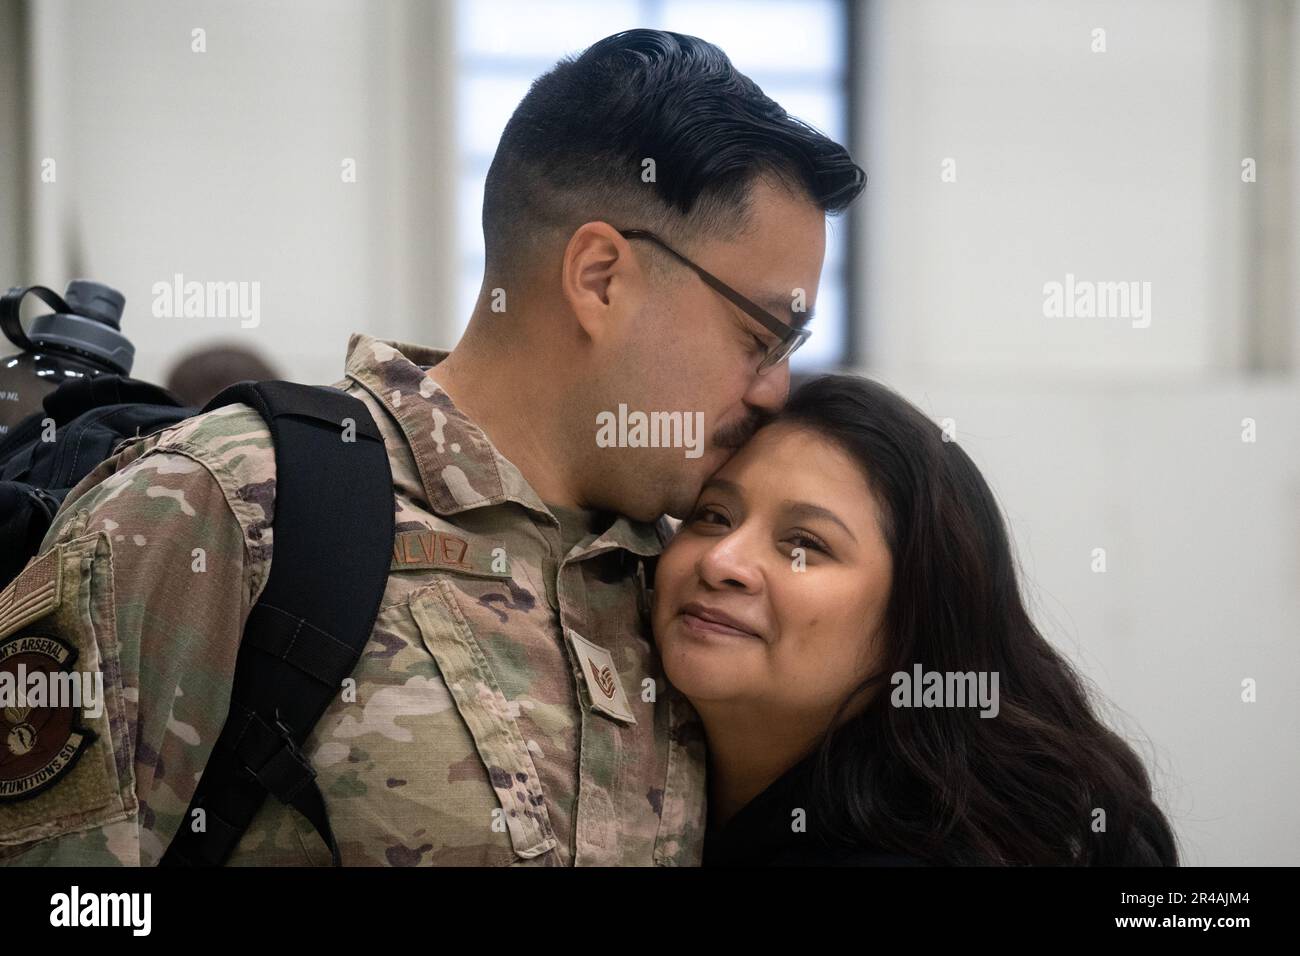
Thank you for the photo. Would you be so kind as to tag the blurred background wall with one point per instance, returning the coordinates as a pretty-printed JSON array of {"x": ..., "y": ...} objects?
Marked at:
[{"x": 333, "y": 152}]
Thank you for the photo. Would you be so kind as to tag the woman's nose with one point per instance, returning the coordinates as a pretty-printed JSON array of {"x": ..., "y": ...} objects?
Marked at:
[{"x": 730, "y": 562}]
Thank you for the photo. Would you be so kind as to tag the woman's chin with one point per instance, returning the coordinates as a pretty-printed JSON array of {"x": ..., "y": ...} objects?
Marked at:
[{"x": 705, "y": 670}]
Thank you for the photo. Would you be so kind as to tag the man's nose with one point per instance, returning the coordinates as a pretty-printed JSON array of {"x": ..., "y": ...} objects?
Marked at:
[{"x": 769, "y": 390}]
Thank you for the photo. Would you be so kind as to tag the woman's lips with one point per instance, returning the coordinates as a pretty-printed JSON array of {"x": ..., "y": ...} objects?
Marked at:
[{"x": 707, "y": 621}]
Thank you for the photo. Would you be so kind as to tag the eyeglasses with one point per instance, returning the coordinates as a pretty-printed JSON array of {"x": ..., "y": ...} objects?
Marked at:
[{"x": 790, "y": 337}]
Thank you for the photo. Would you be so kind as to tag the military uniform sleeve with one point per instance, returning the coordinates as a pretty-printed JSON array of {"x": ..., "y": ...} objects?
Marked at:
[{"x": 145, "y": 578}]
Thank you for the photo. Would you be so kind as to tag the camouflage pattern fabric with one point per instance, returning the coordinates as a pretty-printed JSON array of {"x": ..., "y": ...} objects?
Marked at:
[{"x": 509, "y": 707}]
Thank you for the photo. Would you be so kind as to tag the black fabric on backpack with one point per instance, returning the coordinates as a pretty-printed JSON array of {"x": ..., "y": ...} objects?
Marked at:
[
  {"x": 332, "y": 547},
  {"x": 91, "y": 417}
]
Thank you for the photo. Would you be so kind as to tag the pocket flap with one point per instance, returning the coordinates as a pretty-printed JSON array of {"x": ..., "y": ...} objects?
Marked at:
[{"x": 486, "y": 712}]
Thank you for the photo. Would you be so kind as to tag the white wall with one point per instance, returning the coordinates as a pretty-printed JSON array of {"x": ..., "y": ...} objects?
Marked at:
[
  {"x": 1093, "y": 433},
  {"x": 226, "y": 166},
  {"x": 1121, "y": 165}
]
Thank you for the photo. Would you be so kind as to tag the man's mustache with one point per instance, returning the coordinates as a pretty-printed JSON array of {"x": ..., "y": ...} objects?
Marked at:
[{"x": 735, "y": 435}]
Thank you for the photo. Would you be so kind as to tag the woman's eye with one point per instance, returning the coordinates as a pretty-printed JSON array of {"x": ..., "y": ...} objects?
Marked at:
[
  {"x": 808, "y": 543},
  {"x": 759, "y": 345},
  {"x": 702, "y": 515}
]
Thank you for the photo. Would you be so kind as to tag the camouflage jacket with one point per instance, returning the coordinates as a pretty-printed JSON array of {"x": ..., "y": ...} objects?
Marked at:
[{"x": 509, "y": 707}]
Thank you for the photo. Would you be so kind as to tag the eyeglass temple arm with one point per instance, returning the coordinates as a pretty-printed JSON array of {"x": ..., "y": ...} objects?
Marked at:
[{"x": 755, "y": 311}]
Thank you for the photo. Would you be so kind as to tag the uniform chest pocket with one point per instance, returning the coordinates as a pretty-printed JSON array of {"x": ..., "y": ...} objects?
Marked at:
[{"x": 486, "y": 712}]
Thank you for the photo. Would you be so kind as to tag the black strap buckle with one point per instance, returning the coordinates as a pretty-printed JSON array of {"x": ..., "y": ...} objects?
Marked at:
[{"x": 286, "y": 771}]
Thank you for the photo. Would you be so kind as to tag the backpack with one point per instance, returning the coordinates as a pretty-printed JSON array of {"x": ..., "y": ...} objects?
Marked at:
[
  {"x": 308, "y": 628},
  {"x": 91, "y": 416}
]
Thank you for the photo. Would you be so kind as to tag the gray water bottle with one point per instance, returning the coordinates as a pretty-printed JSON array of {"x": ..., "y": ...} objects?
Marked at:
[{"x": 81, "y": 337}]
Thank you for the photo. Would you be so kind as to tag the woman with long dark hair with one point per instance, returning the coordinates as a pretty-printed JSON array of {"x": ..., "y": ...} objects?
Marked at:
[{"x": 842, "y": 609}]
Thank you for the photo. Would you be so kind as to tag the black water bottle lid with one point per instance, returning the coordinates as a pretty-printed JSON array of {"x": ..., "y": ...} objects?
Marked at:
[{"x": 92, "y": 328}]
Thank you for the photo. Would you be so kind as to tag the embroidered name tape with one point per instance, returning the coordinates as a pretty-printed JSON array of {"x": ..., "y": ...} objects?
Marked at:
[{"x": 427, "y": 548}]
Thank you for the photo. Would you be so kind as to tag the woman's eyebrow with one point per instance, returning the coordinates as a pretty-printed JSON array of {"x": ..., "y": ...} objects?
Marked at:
[
  {"x": 804, "y": 509},
  {"x": 722, "y": 484}
]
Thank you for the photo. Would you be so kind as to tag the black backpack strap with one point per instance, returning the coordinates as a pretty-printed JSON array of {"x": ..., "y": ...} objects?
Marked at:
[{"x": 332, "y": 546}]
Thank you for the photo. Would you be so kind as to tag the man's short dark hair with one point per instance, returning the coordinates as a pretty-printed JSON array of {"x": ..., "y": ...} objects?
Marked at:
[{"x": 574, "y": 149}]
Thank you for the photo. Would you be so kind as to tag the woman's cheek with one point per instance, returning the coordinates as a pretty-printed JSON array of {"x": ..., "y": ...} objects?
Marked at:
[
  {"x": 668, "y": 570},
  {"x": 811, "y": 622},
  {"x": 670, "y": 575}
]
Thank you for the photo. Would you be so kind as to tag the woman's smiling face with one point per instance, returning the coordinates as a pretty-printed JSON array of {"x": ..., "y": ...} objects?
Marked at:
[{"x": 738, "y": 617}]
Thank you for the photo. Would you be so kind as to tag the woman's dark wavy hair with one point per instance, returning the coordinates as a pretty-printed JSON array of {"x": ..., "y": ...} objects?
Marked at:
[
  {"x": 573, "y": 150},
  {"x": 944, "y": 784}
]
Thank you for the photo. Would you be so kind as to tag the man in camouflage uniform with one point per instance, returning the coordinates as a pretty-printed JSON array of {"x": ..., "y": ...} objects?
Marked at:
[{"x": 509, "y": 707}]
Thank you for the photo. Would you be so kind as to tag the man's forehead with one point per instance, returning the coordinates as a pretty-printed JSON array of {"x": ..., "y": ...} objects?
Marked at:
[
  {"x": 782, "y": 305},
  {"x": 789, "y": 258}
]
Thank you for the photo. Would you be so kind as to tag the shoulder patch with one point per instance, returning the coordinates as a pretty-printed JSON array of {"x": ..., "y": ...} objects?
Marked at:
[
  {"x": 65, "y": 738},
  {"x": 41, "y": 736},
  {"x": 34, "y": 593}
]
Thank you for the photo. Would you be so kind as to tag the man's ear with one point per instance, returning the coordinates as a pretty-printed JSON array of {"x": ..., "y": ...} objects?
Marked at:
[{"x": 600, "y": 278}]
